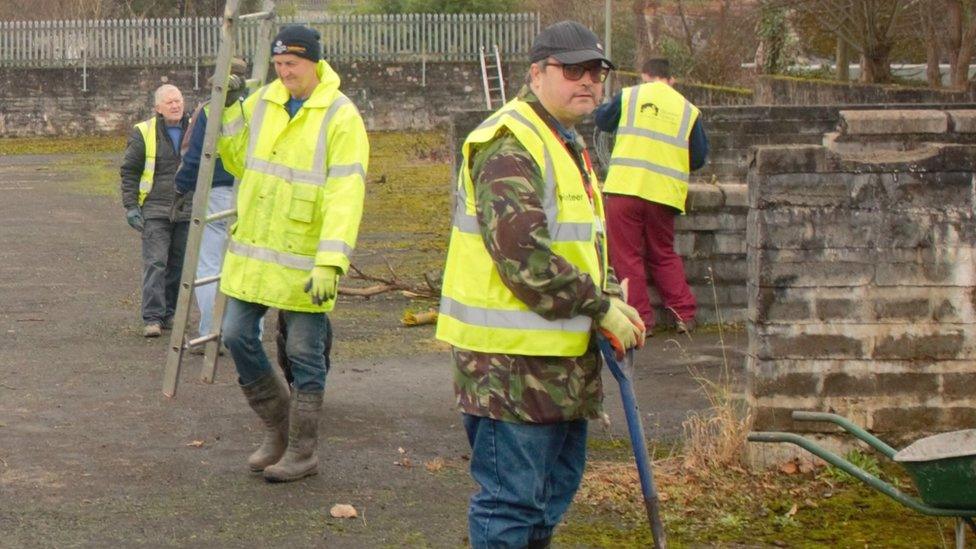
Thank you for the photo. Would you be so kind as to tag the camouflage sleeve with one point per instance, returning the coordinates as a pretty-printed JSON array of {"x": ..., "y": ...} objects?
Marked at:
[{"x": 508, "y": 189}]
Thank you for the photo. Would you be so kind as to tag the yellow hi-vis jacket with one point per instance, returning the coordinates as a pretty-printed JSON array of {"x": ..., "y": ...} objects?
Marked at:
[
  {"x": 148, "y": 130},
  {"x": 478, "y": 312},
  {"x": 300, "y": 198},
  {"x": 650, "y": 153}
]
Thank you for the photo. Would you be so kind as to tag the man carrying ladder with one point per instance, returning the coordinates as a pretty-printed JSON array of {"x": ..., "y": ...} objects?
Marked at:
[{"x": 299, "y": 148}]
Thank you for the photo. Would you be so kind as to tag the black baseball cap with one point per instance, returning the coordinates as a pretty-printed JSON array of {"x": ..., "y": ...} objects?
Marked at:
[{"x": 570, "y": 43}]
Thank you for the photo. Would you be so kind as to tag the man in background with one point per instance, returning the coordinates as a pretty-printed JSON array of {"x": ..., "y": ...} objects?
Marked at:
[
  {"x": 149, "y": 166},
  {"x": 659, "y": 141}
]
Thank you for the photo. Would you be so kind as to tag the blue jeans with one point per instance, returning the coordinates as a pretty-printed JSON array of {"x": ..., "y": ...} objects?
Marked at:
[
  {"x": 212, "y": 253},
  {"x": 163, "y": 246},
  {"x": 528, "y": 474},
  {"x": 305, "y": 344}
]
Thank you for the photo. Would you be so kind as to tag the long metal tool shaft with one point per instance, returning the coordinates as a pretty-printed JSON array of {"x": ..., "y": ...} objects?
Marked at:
[{"x": 623, "y": 373}]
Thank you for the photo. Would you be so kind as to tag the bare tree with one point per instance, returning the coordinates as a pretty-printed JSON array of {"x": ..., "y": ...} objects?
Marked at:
[{"x": 870, "y": 27}]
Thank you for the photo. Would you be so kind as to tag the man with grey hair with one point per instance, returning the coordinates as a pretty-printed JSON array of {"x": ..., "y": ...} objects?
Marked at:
[{"x": 152, "y": 156}]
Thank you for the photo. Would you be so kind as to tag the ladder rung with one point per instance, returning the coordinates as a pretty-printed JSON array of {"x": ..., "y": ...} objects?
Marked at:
[
  {"x": 221, "y": 215},
  {"x": 205, "y": 280},
  {"x": 258, "y": 15},
  {"x": 202, "y": 340}
]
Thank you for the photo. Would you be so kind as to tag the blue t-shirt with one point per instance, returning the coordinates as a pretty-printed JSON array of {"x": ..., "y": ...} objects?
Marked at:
[
  {"x": 293, "y": 105},
  {"x": 176, "y": 136}
]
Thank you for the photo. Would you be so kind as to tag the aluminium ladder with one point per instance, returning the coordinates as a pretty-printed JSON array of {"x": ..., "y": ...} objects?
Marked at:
[
  {"x": 492, "y": 78},
  {"x": 179, "y": 343}
]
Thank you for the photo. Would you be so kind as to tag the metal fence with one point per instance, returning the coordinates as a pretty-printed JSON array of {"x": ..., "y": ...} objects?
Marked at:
[{"x": 189, "y": 41}]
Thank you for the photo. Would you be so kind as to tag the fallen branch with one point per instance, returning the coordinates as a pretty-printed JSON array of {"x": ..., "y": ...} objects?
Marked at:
[{"x": 430, "y": 290}]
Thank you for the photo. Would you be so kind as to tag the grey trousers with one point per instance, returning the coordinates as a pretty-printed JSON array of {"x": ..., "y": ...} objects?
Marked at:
[{"x": 163, "y": 246}]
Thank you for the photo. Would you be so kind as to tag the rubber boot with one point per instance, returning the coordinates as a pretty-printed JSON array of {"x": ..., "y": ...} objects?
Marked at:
[
  {"x": 299, "y": 460},
  {"x": 268, "y": 397}
]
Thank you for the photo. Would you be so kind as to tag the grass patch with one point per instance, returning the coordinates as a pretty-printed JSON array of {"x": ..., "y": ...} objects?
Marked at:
[
  {"x": 49, "y": 145},
  {"x": 730, "y": 506},
  {"x": 407, "y": 213}
]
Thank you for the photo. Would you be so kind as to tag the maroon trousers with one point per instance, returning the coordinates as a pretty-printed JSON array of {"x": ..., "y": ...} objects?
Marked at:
[{"x": 641, "y": 241}]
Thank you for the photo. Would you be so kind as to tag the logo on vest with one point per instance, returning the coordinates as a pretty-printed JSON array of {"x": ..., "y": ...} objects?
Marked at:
[
  {"x": 571, "y": 197},
  {"x": 653, "y": 110}
]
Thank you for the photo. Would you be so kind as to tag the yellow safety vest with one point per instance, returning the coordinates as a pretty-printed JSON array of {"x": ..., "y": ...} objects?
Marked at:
[
  {"x": 650, "y": 153},
  {"x": 300, "y": 198},
  {"x": 148, "y": 130},
  {"x": 478, "y": 312}
]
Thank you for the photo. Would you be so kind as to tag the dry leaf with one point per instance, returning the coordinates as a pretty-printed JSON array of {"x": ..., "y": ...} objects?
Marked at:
[
  {"x": 789, "y": 468},
  {"x": 195, "y": 444},
  {"x": 434, "y": 465},
  {"x": 401, "y": 450},
  {"x": 793, "y": 510},
  {"x": 343, "y": 510},
  {"x": 405, "y": 462}
]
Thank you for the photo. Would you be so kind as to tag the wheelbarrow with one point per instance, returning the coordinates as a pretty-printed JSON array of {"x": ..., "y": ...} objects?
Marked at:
[{"x": 943, "y": 468}]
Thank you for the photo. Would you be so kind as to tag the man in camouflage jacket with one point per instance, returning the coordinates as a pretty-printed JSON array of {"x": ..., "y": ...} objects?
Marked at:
[{"x": 526, "y": 415}]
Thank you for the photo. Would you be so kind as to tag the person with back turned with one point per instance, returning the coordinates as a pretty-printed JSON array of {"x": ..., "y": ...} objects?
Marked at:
[{"x": 659, "y": 140}]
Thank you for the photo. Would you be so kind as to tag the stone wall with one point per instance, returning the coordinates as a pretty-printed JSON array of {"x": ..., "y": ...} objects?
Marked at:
[
  {"x": 50, "y": 102},
  {"x": 862, "y": 281},
  {"x": 785, "y": 90}
]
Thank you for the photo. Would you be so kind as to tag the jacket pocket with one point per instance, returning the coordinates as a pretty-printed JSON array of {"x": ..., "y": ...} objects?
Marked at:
[{"x": 302, "y": 206}]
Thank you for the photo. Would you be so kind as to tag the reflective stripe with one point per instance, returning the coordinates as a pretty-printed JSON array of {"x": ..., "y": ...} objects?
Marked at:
[
  {"x": 651, "y": 134},
  {"x": 322, "y": 145},
  {"x": 558, "y": 232},
  {"x": 632, "y": 107},
  {"x": 335, "y": 246},
  {"x": 645, "y": 165},
  {"x": 257, "y": 119},
  {"x": 150, "y": 165},
  {"x": 289, "y": 174},
  {"x": 464, "y": 222},
  {"x": 685, "y": 120},
  {"x": 268, "y": 255},
  {"x": 342, "y": 170},
  {"x": 234, "y": 127},
  {"x": 145, "y": 186},
  {"x": 518, "y": 320}
]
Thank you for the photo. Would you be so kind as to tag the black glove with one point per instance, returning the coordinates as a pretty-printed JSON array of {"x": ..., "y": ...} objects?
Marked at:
[
  {"x": 235, "y": 89},
  {"x": 134, "y": 218},
  {"x": 180, "y": 202}
]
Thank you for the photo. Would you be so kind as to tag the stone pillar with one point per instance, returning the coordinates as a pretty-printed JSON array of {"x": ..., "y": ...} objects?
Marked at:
[{"x": 862, "y": 288}]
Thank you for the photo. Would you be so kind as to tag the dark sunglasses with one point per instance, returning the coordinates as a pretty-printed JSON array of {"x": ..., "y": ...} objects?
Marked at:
[{"x": 598, "y": 72}]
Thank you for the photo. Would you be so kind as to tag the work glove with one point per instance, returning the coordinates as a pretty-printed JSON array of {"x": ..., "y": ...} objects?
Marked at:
[
  {"x": 180, "y": 201},
  {"x": 323, "y": 283},
  {"x": 235, "y": 89},
  {"x": 134, "y": 218},
  {"x": 620, "y": 328}
]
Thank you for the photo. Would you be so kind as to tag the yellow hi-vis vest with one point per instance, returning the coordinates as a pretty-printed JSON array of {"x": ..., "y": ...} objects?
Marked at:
[
  {"x": 478, "y": 312},
  {"x": 650, "y": 154},
  {"x": 301, "y": 191},
  {"x": 148, "y": 130}
]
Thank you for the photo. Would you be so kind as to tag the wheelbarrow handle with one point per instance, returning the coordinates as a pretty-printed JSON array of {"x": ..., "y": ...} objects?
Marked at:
[
  {"x": 858, "y": 473},
  {"x": 851, "y": 428}
]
